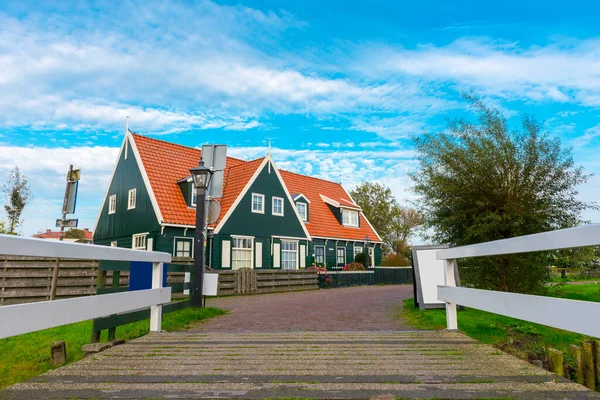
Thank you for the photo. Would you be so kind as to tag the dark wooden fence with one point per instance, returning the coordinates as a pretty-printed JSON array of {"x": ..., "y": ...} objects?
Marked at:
[{"x": 375, "y": 276}]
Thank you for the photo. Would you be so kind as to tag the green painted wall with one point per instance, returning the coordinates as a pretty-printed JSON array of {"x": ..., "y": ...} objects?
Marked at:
[
  {"x": 244, "y": 222},
  {"x": 124, "y": 223}
]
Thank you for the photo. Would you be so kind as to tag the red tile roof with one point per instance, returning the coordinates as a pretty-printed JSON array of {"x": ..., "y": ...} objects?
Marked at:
[
  {"x": 322, "y": 222},
  {"x": 167, "y": 163},
  {"x": 56, "y": 234}
]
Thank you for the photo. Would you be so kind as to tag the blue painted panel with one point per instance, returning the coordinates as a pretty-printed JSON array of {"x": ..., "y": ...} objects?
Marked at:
[{"x": 140, "y": 276}]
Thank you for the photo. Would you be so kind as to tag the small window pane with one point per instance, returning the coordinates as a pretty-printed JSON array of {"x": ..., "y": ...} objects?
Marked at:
[{"x": 258, "y": 203}]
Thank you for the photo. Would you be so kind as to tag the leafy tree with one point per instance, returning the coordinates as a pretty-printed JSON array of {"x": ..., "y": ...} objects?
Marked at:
[
  {"x": 3, "y": 227},
  {"x": 482, "y": 181},
  {"x": 393, "y": 222},
  {"x": 394, "y": 260},
  {"x": 75, "y": 233},
  {"x": 17, "y": 196}
]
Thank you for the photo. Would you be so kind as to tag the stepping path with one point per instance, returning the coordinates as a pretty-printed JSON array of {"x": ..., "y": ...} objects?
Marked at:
[{"x": 323, "y": 365}]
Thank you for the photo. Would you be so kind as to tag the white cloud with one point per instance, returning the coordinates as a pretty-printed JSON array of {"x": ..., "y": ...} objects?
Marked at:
[
  {"x": 588, "y": 136},
  {"x": 560, "y": 72}
]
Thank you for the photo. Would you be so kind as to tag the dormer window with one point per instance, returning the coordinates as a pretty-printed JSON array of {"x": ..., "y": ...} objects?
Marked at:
[
  {"x": 350, "y": 218},
  {"x": 301, "y": 207}
]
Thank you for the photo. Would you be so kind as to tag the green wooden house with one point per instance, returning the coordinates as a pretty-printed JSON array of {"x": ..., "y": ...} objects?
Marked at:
[{"x": 270, "y": 218}]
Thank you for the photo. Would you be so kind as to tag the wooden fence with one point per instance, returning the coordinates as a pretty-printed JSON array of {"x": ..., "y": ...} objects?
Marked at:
[{"x": 250, "y": 281}]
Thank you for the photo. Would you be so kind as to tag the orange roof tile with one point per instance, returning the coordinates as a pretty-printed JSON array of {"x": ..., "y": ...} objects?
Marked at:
[
  {"x": 322, "y": 222},
  {"x": 166, "y": 163}
]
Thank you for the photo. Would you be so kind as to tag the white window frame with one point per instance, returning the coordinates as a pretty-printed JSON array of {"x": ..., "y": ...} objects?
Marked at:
[
  {"x": 262, "y": 210},
  {"x": 337, "y": 255},
  {"x": 143, "y": 239},
  {"x": 273, "y": 200},
  {"x": 192, "y": 193},
  {"x": 284, "y": 251},
  {"x": 305, "y": 206},
  {"x": 247, "y": 251},
  {"x": 112, "y": 204},
  {"x": 183, "y": 238},
  {"x": 350, "y": 221},
  {"x": 131, "y": 199}
]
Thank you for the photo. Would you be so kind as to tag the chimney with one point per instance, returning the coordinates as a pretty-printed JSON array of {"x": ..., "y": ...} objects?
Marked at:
[{"x": 48, "y": 230}]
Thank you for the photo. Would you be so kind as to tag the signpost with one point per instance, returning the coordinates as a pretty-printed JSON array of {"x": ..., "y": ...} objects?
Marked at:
[{"x": 69, "y": 203}]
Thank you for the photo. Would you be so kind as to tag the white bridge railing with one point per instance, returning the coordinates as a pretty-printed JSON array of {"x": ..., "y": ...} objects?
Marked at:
[
  {"x": 30, "y": 317},
  {"x": 572, "y": 315}
]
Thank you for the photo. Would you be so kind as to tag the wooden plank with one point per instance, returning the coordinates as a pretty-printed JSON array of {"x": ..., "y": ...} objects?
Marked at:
[
  {"x": 114, "y": 321},
  {"x": 49, "y": 314},
  {"x": 18, "y": 245},
  {"x": 557, "y": 313}
]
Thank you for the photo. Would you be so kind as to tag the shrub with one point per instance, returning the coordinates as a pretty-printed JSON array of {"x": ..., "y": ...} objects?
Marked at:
[
  {"x": 360, "y": 258},
  {"x": 354, "y": 267},
  {"x": 322, "y": 273},
  {"x": 395, "y": 260}
]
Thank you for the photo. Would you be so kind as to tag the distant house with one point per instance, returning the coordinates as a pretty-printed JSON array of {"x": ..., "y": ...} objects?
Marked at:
[
  {"x": 269, "y": 218},
  {"x": 55, "y": 235}
]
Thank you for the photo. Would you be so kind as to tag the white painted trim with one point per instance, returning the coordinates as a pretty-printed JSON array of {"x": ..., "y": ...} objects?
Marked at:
[
  {"x": 186, "y": 238},
  {"x": 288, "y": 237},
  {"x": 49, "y": 314},
  {"x": 267, "y": 159},
  {"x": 303, "y": 256},
  {"x": 298, "y": 195},
  {"x": 112, "y": 176},
  {"x": 351, "y": 240},
  {"x": 178, "y": 226},
  {"x": 555, "y": 312},
  {"x": 273, "y": 198},
  {"x": 142, "y": 169},
  {"x": 289, "y": 196},
  {"x": 276, "y": 255},
  {"x": 192, "y": 193},
  {"x": 350, "y": 225},
  {"x": 581, "y": 236},
  {"x": 140, "y": 235},
  {"x": 112, "y": 210},
  {"x": 350, "y": 272},
  {"x": 252, "y": 203},
  {"x": 305, "y": 209},
  {"x": 364, "y": 216},
  {"x": 258, "y": 254},
  {"x": 134, "y": 191},
  {"x": 34, "y": 247},
  {"x": 226, "y": 254}
]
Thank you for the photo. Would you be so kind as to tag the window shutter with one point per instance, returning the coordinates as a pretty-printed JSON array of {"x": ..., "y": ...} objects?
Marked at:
[
  {"x": 302, "y": 256},
  {"x": 276, "y": 255},
  {"x": 258, "y": 255},
  {"x": 226, "y": 254},
  {"x": 149, "y": 244}
]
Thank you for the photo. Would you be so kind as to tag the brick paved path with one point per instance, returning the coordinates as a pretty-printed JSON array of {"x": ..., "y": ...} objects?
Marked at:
[{"x": 359, "y": 308}]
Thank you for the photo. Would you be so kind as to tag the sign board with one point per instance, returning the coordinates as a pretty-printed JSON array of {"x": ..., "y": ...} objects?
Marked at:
[
  {"x": 140, "y": 275},
  {"x": 214, "y": 210},
  {"x": 68, "y": 223},
  {"x": 74, "y": 175},
  {"x": 210, "y": 284},
  {"x": 71, "y": 199},
  {"x": 429, "y": 273},
  {"x": 215, "y": 157}
]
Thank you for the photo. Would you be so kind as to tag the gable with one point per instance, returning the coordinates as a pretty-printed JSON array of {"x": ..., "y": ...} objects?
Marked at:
[
  {"x": 127, "y": 175},
  {"x": 242, "y": 221}
]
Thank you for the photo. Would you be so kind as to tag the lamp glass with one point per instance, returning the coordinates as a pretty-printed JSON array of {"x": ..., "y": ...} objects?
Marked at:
[{"x": 200, "y": 176}]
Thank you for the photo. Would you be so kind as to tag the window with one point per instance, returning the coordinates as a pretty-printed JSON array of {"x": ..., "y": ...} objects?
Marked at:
[
  {"x": 357, "y": 250},
  {"x": 241, "y": 253},
  {"x": 278, "y": 206},
  {"x": 193, "y": 195},
  {"x": 131, "y": 199},
  {"x": 139, "y": 242},
  {"x": 112, "y": 204},
  {"x": 258, "y": 203},
  {"x": 289, "y": 254},
  {"x": 320, "y": 254},
  {"x": 301, "y": 207},
  {"x": 183, "y": 247},
  {"x": 341, "y": 256},
  {"x": 350, "y": 218}
]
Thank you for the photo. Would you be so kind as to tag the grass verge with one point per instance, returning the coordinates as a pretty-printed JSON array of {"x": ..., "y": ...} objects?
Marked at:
[
  {"x": 525, "y": 340},
  {"x": 26, "y": 356}
]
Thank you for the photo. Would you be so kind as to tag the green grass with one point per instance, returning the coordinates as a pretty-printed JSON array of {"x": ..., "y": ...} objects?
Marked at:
[
  {"x": 515, "y": 336},
  {"x": 26, "y": 356}
]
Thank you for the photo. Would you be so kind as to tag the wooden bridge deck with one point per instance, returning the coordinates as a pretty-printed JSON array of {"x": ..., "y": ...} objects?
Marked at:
[{"x": 406, "y": 364}]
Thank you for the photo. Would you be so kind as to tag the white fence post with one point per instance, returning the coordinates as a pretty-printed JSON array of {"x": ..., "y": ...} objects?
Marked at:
[
  {"x": 156, "y": 310},
  {"x": 451, "y": 320}
]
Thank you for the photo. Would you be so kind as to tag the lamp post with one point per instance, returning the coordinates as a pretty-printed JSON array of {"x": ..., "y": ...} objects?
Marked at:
[
  {"x": 201, "y": 176},
  {"x": 367, "y": 255}
]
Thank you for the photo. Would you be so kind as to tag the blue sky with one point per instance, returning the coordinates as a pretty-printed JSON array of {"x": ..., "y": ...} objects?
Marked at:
[{"x": 337, "y": 87}]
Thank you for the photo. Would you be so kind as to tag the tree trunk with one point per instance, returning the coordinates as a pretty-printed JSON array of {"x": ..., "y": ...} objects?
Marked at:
[{"x": 503, "y": 284}]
